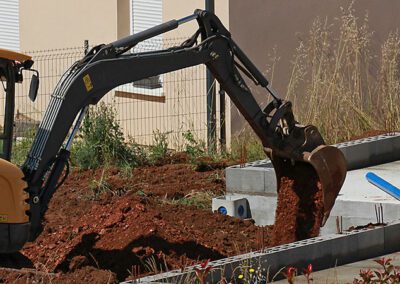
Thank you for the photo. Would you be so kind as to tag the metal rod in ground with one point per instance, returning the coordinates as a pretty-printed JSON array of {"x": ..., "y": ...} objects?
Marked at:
[
  {"x": 222, "y": 119},
  {"x": 211, "y": 102}
]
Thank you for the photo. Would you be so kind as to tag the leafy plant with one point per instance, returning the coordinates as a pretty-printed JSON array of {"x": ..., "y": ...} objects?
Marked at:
[{"x": 102, "y": 142}]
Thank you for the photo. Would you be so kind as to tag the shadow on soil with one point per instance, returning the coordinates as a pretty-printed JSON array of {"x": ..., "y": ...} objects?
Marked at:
[
  {"x": 121, "y": 262},
  {"x": 15, "y": 260}
]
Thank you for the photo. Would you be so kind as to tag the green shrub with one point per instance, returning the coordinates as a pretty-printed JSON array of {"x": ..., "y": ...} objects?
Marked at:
[{"x": 102, "y": 142}]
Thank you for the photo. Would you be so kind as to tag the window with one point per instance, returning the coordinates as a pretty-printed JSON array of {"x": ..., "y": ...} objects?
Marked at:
[
  {"x": 144, "y": 15},
  {"x": 9, "y": 24}
]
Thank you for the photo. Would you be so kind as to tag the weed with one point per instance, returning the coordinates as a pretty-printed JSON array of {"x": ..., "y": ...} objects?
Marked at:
[
  {"x": 201, "y": 200},
  {"x": 159, "y": 149},
  {"x": 99, "y": 186},
  {"x": 246, "y": 147},
  {"x": 339, "y": 85},
  {"x": 194, "y": 148}
]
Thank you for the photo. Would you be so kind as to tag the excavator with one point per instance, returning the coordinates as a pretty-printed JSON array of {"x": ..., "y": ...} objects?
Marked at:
[{"x": 25, "y": 191}]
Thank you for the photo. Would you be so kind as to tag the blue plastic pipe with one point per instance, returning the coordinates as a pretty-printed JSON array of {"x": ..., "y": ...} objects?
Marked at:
[{"x": 383, "y": 185}]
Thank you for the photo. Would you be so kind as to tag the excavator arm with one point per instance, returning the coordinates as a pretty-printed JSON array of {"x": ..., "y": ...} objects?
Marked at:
[{"x": 108, "y": 66}]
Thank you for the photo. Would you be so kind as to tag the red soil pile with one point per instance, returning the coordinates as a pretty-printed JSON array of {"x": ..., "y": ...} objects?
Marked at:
[
  {"x": 300, "y": 207},
  {"x": 137, "y": 225},
  {"x": 135, "y": 222}
]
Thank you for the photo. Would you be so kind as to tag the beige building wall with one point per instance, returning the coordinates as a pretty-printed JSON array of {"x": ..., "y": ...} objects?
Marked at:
[{"x": 49, "y": 24}]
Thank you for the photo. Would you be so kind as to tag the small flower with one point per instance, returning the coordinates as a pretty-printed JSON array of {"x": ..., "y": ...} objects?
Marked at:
[
  {"x": 307, "y": 273},
  {"x": 366, "y": 274},
  {"x": 241, "y": 276},
  {"x": 202, "y": 272},
  {"x": 204, "y": 263},
  {"x": 251, "y": 270},
  {"x": 290, "y": 274},
  {"x": 383, "y": 261},
  {"x": 308, "y": 270}
]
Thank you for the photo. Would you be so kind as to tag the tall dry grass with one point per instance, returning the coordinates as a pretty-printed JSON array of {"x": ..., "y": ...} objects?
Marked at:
[{"x": 337, "y": 82}]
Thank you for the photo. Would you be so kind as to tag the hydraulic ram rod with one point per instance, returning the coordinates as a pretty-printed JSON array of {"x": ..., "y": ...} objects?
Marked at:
[{"x": 132, "y": 40}]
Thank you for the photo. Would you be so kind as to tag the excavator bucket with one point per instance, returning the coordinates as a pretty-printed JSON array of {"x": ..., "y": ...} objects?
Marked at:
[
  {"x": 331, "y": 168},
  {"x": 323, "y": 168}
]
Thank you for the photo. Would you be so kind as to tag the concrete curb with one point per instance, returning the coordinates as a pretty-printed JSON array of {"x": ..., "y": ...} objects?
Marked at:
[
  {"x": 371, "y": 151},
  {"x": 323, "y": 252},
  {"x": 258, "y": 177}
]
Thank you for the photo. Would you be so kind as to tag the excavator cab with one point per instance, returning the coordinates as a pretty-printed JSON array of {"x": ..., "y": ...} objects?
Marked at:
[{"x": 11, "y": 66}]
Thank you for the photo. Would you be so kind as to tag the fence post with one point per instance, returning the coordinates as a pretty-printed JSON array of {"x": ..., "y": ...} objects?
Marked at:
[
  {"x": 86, "y": 46},
  {"x": 211, "y": 101}
]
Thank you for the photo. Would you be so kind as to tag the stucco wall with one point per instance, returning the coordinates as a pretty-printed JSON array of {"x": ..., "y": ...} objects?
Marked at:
[
  {"x": 49, "y": 24},
  {"x": 259, "y": 25}
]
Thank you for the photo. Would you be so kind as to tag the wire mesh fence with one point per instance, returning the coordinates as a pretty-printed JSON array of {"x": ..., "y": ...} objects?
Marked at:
[{"x": 171, "y": 103}]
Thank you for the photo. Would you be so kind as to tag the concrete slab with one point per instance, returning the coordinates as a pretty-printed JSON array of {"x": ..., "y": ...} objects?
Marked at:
[{"x": 355, "y": 206}]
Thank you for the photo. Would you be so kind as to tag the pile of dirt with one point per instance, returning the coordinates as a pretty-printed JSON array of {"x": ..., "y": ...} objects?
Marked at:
[
  {"x": 300, "y": 206},
  {"x": 133, "y": 224}
]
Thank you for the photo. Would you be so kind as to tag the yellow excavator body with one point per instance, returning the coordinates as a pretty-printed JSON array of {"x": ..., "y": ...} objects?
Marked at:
[{"x": 12, "y": 202}]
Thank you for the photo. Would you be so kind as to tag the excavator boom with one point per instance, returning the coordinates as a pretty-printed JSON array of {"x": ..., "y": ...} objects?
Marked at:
[{"x": 108, "y": 66}]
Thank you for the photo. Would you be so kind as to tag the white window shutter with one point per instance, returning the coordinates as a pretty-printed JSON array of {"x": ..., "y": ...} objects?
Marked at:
[
  {"x": 147, "y": 14},
  {"x": 9, "y": 24}
]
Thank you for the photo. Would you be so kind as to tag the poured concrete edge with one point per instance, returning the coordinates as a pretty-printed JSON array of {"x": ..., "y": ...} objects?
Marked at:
[
  {"x": 322, "y": 252},
  {"x": 258, "y": 178},
  {"x": 371, "y": 151}
]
